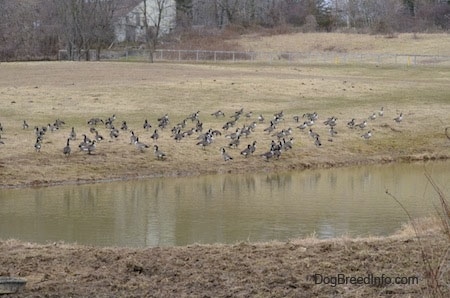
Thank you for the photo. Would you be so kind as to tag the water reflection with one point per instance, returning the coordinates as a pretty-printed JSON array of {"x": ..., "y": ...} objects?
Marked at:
[{"x": 223, "y": 208}]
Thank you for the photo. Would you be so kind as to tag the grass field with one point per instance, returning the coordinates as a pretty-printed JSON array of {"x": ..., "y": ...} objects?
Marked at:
[{"x": 75, "y": 92}]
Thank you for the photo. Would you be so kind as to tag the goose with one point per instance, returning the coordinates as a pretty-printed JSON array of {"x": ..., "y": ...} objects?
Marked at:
[
  {"x": 124, "y": 125},
  {"x": 73, "y": 135},
  {"x": 25, "y": 124},
  {"x": 114, "y": 133},
  {"x": 362, "y": 124},
  {"x": 249, "y": 114},
  {"x": 351, "y": 123},
  {"x": 235, "y": 142},
  {"x": 132, "y": 137},
  {"x": 333, "y": 133},
  {"x": 234, "y": 135},
  {"x": 140, "y": 146},
  {"x": 287, "y": 144},
  {"x": 247, "y": 151},
  {"x": 317, "y": 142},
  {"x": 98, "y": 137},
  {"x": 225, "y": 155},
  {"x": 367, "y": 135},
  {"x": 86, "y": 139},
  {"x": 313, "y": 134},
  {"x": 399, "y": 118},
  {"x": 218, "y": 113},
  {"x": 94, "y": 121},
  {"x": 194, "y": 116},
  {"x": 37, "y": 145},
  {"x": 90, "y": 147},
  {"x": 147, "y": 125},
  {"x": 373, "y": 116},
  {"x": 268, "y": 155},
  {"x": 381, "y": 112},
  {"x": 253, "y": 147},
  {"x": 158, "y": 154},
  {"x": 155, "y": 135},
  {"x": 67, "y": 150},
  {"x": 261, "y": 118},
  {"x": 302, "y": 126},
  {"x": 296, "y": 118}
]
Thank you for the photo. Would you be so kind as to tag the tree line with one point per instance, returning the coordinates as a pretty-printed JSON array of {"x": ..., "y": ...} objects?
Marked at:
[{"x": 37, "y": 29}]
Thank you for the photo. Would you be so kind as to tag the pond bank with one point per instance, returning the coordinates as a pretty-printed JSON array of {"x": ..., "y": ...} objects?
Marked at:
[{"x": 276, "y": 269}]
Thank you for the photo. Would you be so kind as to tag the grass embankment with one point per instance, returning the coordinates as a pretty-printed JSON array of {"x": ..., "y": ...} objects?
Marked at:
[
  {"x": 245, "y": 269},
  {"x": 75, "y": 92}
]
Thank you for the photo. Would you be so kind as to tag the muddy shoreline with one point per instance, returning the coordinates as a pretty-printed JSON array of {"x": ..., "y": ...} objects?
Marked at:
[{"x": 242, "y": 170}]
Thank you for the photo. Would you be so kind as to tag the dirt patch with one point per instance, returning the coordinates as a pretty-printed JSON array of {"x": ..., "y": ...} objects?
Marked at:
[{"x": 290, "y": 269}]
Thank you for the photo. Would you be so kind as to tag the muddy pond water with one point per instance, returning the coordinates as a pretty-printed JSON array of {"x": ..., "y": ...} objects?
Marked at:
[{"x": 224, "y": 208}]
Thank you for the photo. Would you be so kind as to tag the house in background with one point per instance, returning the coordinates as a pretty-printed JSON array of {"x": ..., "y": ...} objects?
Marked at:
[{"x": 130, "y": 19}]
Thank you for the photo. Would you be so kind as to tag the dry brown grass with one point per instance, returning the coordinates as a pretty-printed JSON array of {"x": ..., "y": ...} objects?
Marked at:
[
  {"x": 75, "y": 92},
  {"x": 275, "y": 269},
  {"x": 430, "y": 44}
]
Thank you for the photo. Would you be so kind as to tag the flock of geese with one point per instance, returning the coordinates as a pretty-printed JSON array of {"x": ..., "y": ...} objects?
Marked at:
[{"x": 282, "y": 139}]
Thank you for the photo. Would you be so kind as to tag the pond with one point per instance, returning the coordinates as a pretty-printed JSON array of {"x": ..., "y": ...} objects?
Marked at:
[{"x": 224, "y": 208}]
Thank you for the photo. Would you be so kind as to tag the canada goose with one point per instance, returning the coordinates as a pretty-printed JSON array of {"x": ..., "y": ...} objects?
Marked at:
[
  {"x": 287, "y": 144},
  {"x": 367, "y": 135},
  {"x": 90, "y": 147},
  {"x": 94, "y": 121},
  {"x": 296, "y": 118},
  {"x": 373, "y": 116},
  {"x": 234, "y": 135},
  {"x": 333, "y": 133},
  {"x": 247, "y": 151},
  {"x": 261, "y": 118},
  {"x": 73, "y": 135},
  {"x": 146, "y": 125},
  {"x": 317, "y": 142},
  {"x": 67, "y": 150},
  {"x": 218, "y": 113},
  {"x": 158, "y": 154},
  {"x": 399, "y": 118},
  {"x": 124, "y": 125},
  {"x": 225, "y": 155},
  {"x": 140, "y": 146},
  {"x": 86, "y": 139},
  {"x": 58, "y": 123},
  {"x": 330, "y": 121},
  {"x": 194, "y": 116},
  {"x": 268, "y": 155},
  {"x": 132, "y": 137},
  {"x": 381, "y": 112},
  {"x": 114, "y": 133},
  {"x": 362, "y": 124},
  {"x": 155, "y": 135},
  {"x": 302, "y": 126},
  {"x": 37, "y": 145},
  {"x": 52, "y": 127},
  {"x": 25, "y": 124},
  {"x": 229, "y": 124},
  {"x": 351, "y": 123},
  {"x": 98, "y": 137},
  {"x": 235, "y": 142},
  {"x": 199, "y": 126},
  {"x": 313, "y": 134},
  {"x": 249, "y": 114},
  {"x": 253, "y": 147}
]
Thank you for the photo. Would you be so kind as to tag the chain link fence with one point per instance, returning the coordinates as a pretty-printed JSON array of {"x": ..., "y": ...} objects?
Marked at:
[{"x": 267, "y": 57}]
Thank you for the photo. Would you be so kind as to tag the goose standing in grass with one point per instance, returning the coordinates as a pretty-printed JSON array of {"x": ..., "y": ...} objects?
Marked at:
[
  {"x": 261, "y": 118},
  {"x": 89, "y": 147},
  {"x": 146, "y": 125},
  {"x": 158, "y": 153},
  {"x": 25, "y": 124},
  {"x": 155, "y": 135},
  {"x": 218, "y": 113},
  {"x": 367, "y": 135},
  {"x": 140, "y": 146},
  {"x": 351, "y": 123},
  {"x": 133, "y": 137},
  {"x": 38, "y": 145},
  {"x": 399, "y": 118},
  {"x": 362, "y": 124},
  {"x": 373, "y": 116},
  {"x": 1, "y": 128},
  {"x": 332, "y": 131},
  {"x": 317, "y": 142},
  {"x": 67, "y": 150},
  {"x": 247, "y": 151},
  {"x": 73, "y": 134},
  {"x": 98, "y": 137},
  {"x": 225, "y": 155},
  {"x": 124, "y": 125},
  {"x": 381, "y": 112}
]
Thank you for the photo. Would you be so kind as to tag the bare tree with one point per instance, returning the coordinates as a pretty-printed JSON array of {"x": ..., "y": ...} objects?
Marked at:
[
  {"x": 158, "y": 14},
  {"x": 85, "y": 24}
]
